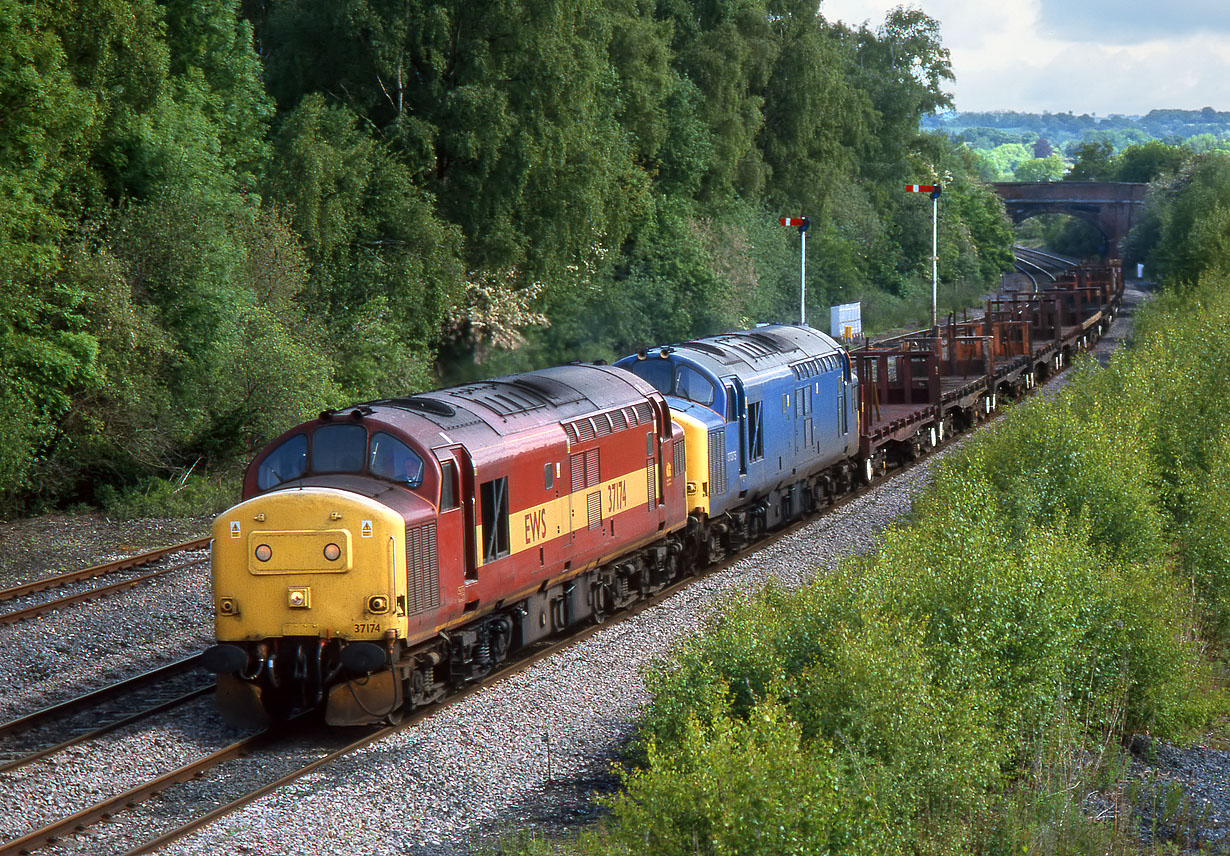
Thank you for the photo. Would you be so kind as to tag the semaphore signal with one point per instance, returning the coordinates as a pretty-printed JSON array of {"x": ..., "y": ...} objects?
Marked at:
[
  {"x": 802, "y": 223},
  {"x": 934, "y": 190}
]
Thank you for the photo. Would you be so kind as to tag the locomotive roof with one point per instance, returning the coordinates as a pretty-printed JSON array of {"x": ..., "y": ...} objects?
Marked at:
[
  {"x": 757, "y": 349},
  {"x": 523, "y": 401}
]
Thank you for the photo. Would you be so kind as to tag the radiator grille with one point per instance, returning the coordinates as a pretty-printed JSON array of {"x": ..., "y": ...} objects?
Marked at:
[
  {"x": 652, "y": 480},
  {"x": 584, "y": 467},
  {"x": 717, "y": 462},
  {"x": 594, "y": 503},
  {"x": 680, "y": 459},
  {"x": 591, "y": 467},
  {"x": 577, "y": 463},
  {"x": 423, "y": 569}
]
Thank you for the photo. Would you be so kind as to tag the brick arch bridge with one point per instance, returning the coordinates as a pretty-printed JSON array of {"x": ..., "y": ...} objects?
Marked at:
[{"x": 1111, "y": 207}]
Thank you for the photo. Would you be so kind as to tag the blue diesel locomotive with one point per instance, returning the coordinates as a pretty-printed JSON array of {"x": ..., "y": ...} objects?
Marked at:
[{"x": 770, "y": 417}]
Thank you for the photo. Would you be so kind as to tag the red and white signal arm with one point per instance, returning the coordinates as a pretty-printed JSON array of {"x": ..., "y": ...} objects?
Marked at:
[
  {"x": 921, "y": 188},
  {"x": 793, "y": 221}
]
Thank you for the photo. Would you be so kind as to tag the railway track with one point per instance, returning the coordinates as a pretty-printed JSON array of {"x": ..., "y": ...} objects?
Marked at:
[
  {"x": 1049, "y": 264},
  {"x": 28, "y": 591},
  {"x": 87, "y": 717}
]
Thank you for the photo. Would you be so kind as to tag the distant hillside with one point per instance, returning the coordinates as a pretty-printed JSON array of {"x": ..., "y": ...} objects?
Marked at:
[{"x": 1064, "y": 131}]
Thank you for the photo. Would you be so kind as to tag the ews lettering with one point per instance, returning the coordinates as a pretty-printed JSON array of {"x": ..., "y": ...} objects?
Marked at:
[{"x": 535, "y": 526}]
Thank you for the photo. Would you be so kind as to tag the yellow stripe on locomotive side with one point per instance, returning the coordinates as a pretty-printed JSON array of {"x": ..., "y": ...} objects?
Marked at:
[{"x": 534, "y": 526}]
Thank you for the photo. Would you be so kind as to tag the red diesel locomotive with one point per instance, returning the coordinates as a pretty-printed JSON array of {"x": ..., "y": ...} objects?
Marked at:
[{"x": 389, "y": 551}]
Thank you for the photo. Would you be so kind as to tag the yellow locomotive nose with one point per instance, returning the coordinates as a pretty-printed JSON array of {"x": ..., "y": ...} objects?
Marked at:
[{"x": 312, "y": 562}]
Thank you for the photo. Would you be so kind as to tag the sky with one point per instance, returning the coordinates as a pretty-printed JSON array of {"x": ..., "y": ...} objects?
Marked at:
[{"x": 1084, "y": 56}]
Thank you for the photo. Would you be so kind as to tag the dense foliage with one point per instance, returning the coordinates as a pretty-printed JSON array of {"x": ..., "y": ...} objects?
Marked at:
[
  {"x": 962, "y": 688},
  {"x": 220, "y": 216}
]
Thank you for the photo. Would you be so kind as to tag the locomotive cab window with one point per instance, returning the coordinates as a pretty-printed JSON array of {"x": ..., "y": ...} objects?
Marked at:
[
  {"x": 392, "y": 459},
  {"x": 755, "y": 429},
  {"x": 339, "y": 449},
  {"x": 660, "y": 374},
  {"x": 693, "y": 386},
  {"x": 494, "y": 498},
  {"x": 283, "y": 464},
  {"x": 682, "y": 381}
]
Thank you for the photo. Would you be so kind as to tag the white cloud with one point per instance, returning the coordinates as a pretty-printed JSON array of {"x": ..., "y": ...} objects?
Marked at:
[
  {"x": 1036, "y": 55},
  {"x": 1133, "y": 21}
]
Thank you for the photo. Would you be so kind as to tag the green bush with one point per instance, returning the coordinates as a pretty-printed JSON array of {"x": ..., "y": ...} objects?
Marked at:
[
  {"x": 185, "y": 496},
  {"x": 746, "y": 786}
]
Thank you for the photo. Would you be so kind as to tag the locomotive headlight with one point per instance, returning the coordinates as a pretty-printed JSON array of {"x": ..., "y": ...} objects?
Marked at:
[
  {"x": 264, "y": 553},
  {"x": 228, "y": 606},
  {"x": 333, "y": 552},
  {"x": 377, "y": 604},
  {"x": 299, "y": 597}
]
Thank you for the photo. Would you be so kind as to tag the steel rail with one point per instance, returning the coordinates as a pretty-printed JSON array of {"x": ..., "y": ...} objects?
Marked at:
[
  {"x": 31, "y": 757},
  {"x": 41, "y": 608},
  {"x": 1021, "y": 262},
  {"x": 111, "y": 806},
  {"x": 1064, "y": 261},
  {"x": 101, "y": 570},
  {"x": 1020, "y": 269},
  {"x": 81, "y": 702}
]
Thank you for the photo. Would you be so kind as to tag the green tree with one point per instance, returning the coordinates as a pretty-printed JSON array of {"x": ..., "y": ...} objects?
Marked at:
[
  {"x": 1040, "y": 169},
  {"x": 1092, "y": 162},
  {"x": 1187, "y": 223},
  {"x": 505, "y": 111},
  {"x": 815, "y": 118},
  {"x": 45, "y": 351},
  {"x": 384, "y": 270},
  {"x": 1146, "y": 162},
  {"x": 728, "y": 50}
]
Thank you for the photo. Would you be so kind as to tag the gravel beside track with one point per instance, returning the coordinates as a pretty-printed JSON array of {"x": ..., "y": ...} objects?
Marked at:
[{"x": 529, "y": 751}]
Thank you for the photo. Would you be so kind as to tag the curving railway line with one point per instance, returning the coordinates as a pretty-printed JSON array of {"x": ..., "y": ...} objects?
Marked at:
[{"x": 321, "y": 747}]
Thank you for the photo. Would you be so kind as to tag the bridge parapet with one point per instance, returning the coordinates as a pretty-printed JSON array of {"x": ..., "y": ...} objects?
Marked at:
[{"x": 1111, "y": 207}]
